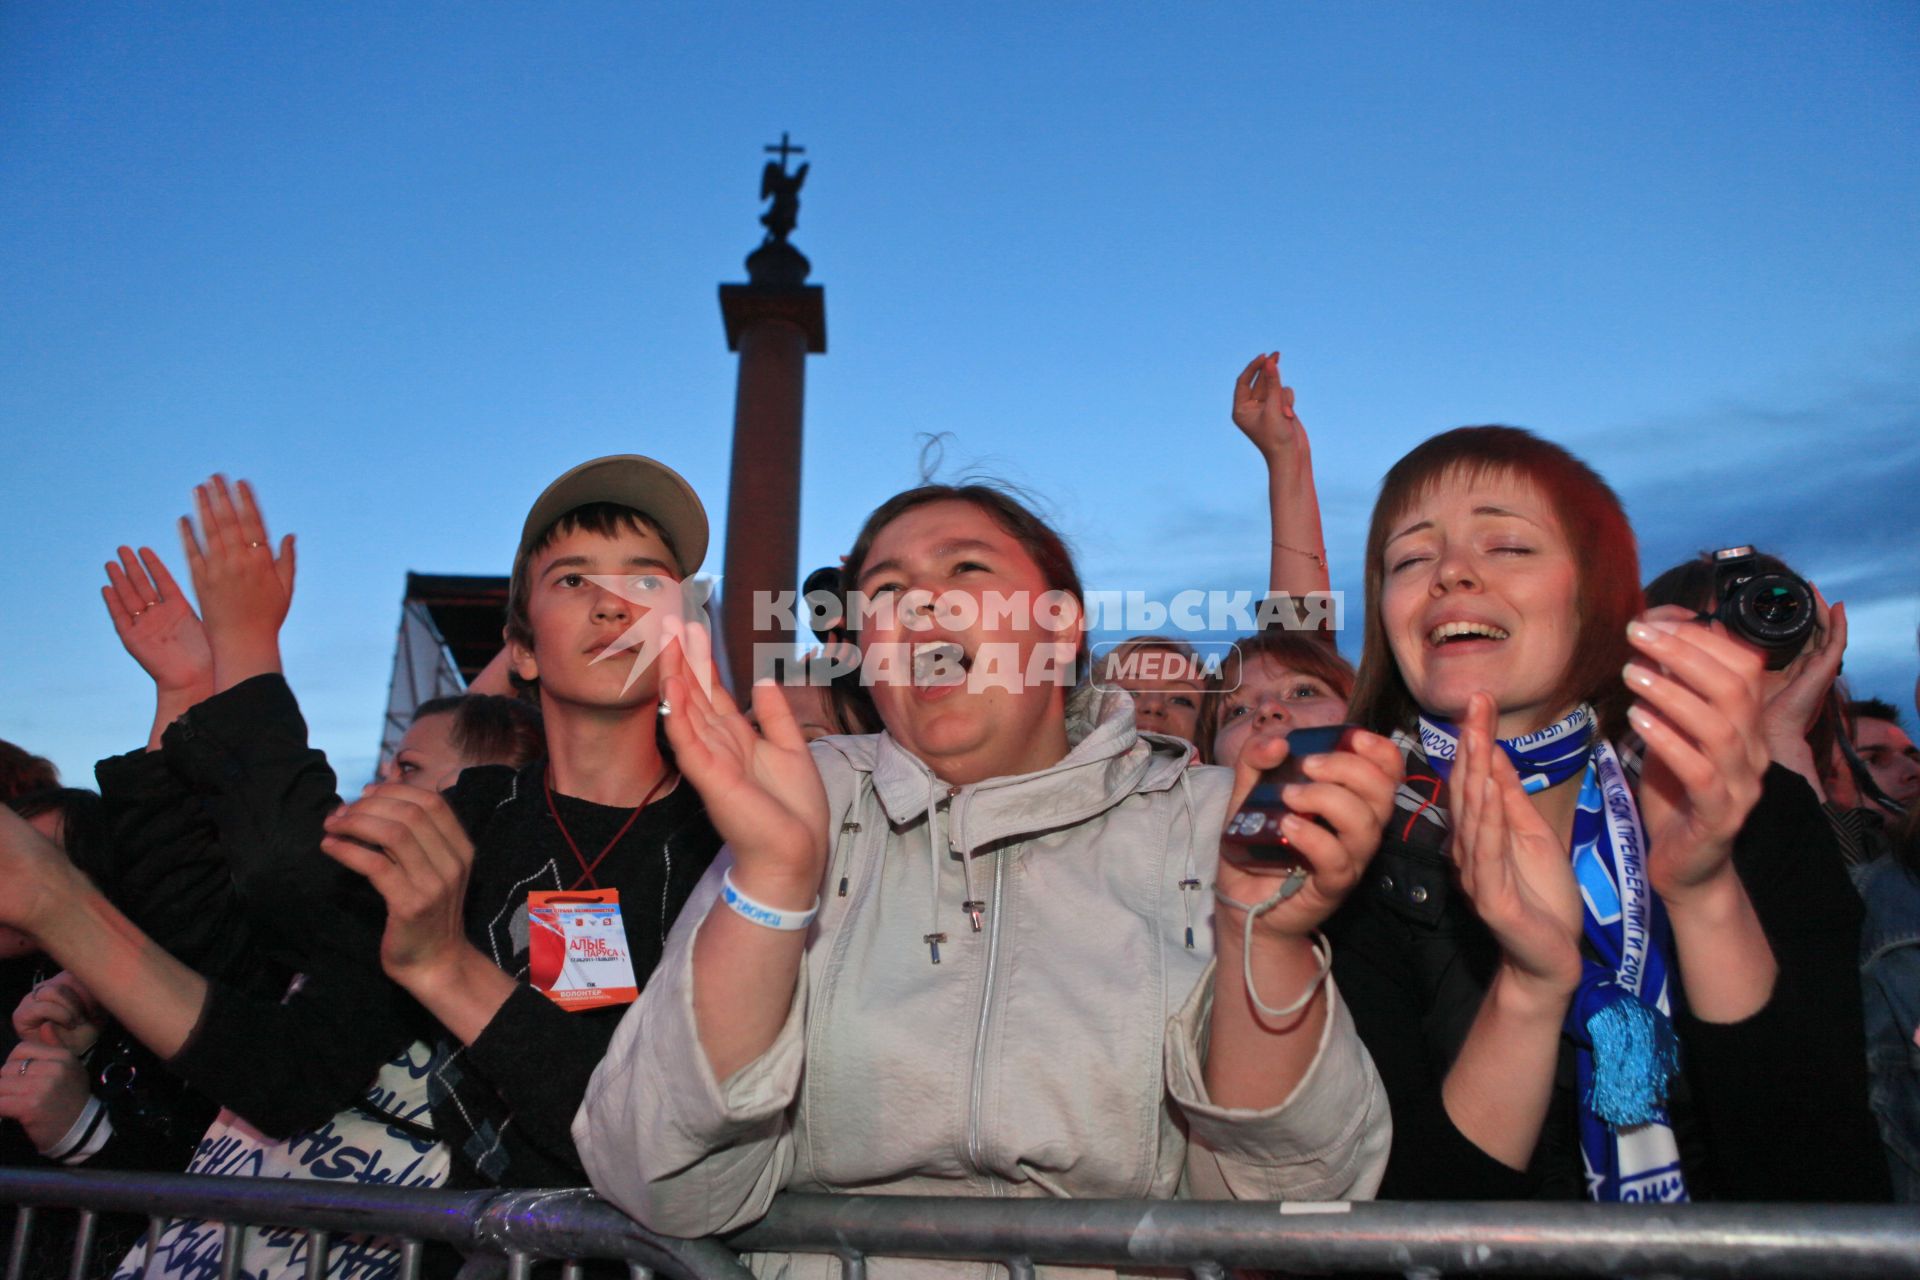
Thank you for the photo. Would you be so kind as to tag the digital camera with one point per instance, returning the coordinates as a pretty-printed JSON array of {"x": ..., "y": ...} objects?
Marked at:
[
  {"x": 1253, "y": 834},
  {"x": 1771, "y": 610}
]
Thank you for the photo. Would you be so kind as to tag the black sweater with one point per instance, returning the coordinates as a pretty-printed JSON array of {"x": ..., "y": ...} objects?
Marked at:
[
  {"x": 505, "y": 1103},
  {"x": 1770, "y": 1108}
]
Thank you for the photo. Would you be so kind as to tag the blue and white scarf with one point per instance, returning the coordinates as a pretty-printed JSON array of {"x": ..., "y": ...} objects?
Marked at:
[{"x": 1621, "y": 1018}]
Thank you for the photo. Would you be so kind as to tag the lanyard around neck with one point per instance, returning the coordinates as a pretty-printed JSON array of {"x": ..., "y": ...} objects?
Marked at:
[{"x": 587, "y": 868}]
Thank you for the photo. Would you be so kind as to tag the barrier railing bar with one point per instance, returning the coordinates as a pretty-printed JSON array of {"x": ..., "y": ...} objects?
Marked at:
[
  {"x": 1548, "y": 1238},
  {"x": 233, "y": 1242},
  {"x": 519, "y": 1266},
  {"x": 83, "y": 1232},
  {"x": 546, "y": 1224},
  {"x": 319, "y": 1245},
  {"x": 1197, "y": 1236},
  {"x": 156, "y": 1227},
  {"x": 22, "y": 1237}
]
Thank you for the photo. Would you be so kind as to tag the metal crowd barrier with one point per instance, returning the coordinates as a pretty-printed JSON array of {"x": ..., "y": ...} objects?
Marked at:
[{"x": 1204, "y": 1238}]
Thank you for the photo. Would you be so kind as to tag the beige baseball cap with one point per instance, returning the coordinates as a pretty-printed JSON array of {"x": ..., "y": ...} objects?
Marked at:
[{"x": 652, "y": 488}]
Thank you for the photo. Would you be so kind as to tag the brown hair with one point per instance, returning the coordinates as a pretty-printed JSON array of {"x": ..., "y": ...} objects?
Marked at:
[
  {"x": 490, "y": 728},
  {"x": 22, "y": 771},
  {"x": 1303, "y": 651},
  {"x": 1606, "y": 560},
  {"x": 608, "y": 519}
]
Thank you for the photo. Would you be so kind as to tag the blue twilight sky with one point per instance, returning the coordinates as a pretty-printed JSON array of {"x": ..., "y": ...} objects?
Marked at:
[{"x": 401, "y": 265}]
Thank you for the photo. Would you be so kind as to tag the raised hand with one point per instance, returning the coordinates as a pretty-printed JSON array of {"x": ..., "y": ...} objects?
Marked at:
[
  {"x": 1794, "y": 695},
  {"x": 409, "y": 844},
  {"x": 1352, "y": 789},
  {"x": 157, "y": 624},
  {"x": 1698, "y": 707},
  {"x": 243, "y": 585},
  {"x": 44, "y": 1087},
  {"x": 60, "y": 1011},
  {"x": 761, "y": 788},
  {"x": 1263, "y": 409},
  {"x": 1513, "y": 867}
]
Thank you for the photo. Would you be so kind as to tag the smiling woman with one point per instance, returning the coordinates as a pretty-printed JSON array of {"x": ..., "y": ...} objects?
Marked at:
[
  {"x": 1549, "y": 933},
  {"x": 970, "y": 955}
]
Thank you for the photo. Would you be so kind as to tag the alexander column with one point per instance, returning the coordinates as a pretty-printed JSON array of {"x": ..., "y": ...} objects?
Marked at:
[{"x": 774, "y": 321}]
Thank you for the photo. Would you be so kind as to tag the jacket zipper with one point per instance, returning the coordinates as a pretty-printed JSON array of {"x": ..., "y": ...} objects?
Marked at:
[{"x": 980, "y": 1034}]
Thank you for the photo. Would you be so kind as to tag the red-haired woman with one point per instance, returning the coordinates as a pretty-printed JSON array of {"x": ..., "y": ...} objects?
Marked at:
[{"x": 1577, "y": 981}]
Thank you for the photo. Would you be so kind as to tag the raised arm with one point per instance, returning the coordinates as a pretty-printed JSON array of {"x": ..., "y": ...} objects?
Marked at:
[
  {"x": 283, "y": 1066},
  {"x": 766, "y": 800},
  {"x": 160, "y": 630},
  {"x": 245, "y": 588},
  {"x": 1263, "y": 410}
]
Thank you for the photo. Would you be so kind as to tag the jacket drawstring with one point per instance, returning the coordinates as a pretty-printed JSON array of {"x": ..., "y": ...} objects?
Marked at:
[{"x": 1190, "y": 882}]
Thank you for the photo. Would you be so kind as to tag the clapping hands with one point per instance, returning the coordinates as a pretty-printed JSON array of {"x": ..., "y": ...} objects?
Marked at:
[
  {"x": 1513, "y": 867},
  {"x": 1699, "y": 709},
  {"x": 761, "y": 786},
  {"x": 244, "y": 586},
  {"x": 157, "y": 624}
]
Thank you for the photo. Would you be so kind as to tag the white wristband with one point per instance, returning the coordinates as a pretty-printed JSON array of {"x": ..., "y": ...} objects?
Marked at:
[
  {"x": 74, "y": 1146},
  {"x": 762, "y": 914}
]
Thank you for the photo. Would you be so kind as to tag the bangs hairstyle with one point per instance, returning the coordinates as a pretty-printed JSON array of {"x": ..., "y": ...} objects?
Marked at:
[
  {"x": 1606, "y": 562},
  {"x": 608, "y": 519},
  {"x": 1305, "y": 652},
  {"x": 490, "y": 728}
]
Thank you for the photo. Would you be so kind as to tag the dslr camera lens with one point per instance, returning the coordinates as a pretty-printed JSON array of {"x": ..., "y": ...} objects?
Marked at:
[{"x": 1773, "y": 611}]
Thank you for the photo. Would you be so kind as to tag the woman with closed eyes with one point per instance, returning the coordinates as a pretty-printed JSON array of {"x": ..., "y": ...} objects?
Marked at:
[{"x": 1588, "y": 958}]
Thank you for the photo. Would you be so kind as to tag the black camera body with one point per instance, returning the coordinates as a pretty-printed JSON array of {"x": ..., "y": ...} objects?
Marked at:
[
  {"x": 1771, "y": 610},
  {"x": 1253, "y": 833}
]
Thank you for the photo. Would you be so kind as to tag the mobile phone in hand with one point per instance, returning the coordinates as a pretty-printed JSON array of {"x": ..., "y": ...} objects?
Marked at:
[{"x": 1253, "y": 834}]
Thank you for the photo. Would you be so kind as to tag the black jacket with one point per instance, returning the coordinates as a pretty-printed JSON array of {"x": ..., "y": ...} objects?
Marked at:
[
  {"x": 1771, "y": 1108},
  {"x": 503, "y": 1104}
]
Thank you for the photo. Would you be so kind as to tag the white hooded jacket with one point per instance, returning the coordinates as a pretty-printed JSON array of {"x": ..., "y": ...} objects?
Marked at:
[{"x": 1058, "y": 1050}]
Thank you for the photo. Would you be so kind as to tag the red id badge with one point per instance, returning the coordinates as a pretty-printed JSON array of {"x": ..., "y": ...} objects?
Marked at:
[{"x": 578, "y": 949}]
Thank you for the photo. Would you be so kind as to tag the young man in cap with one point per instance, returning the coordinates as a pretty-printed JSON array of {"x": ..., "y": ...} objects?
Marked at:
[{"x": 524, "y": 909}]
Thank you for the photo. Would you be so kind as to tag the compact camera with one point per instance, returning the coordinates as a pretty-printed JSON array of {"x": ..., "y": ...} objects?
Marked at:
[
  {"x": 1773, "y": 611},
  {"x": 1253, "y": 834}
]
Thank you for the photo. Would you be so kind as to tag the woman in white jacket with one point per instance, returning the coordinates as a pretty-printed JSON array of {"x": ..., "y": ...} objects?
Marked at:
[{"x": 974, "y": 954}]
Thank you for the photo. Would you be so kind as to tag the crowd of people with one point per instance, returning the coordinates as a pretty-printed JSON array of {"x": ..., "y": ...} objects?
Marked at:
[{"x": 1578, "y": 890}]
